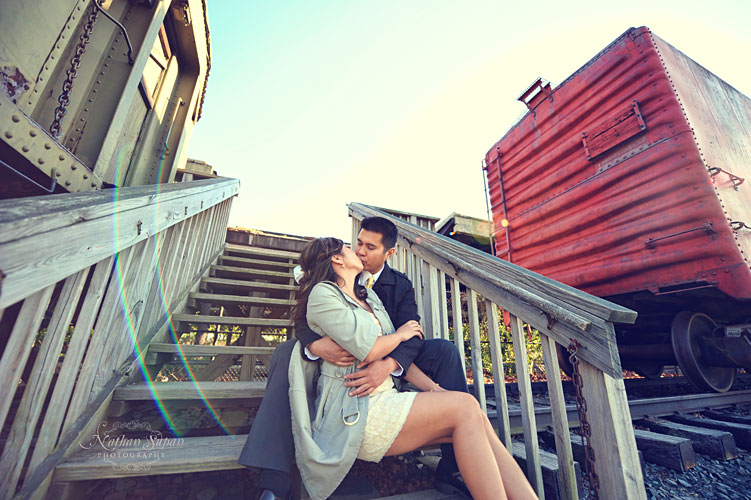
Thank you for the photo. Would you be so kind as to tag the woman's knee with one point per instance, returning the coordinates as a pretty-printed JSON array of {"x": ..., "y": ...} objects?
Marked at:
[{"x": 465, "y": 407}]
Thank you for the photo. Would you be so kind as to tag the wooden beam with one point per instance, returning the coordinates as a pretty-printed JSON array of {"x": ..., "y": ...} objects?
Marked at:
[
  {"x": 163, "y": 391},
  {"x": 217, "y": 298},
  {"x": 66, "y": 379},
  {"x": 443, "y": 305},
  {"x": 266, "y": 252},
  {"x": 560, "y": 419},
  {"x": 741, "y": 432},
  {"x": 474, "y": 341},
  {"x": 17, "y": 350},
  {"x": 230, "y": 320},
  {"x": 29, "y": 410},
  {"x": 499, "y": 374},
  {"x": 34, "y": 258},
  {"x": 257, "y": 263},
  {"x": 457, "y": 318},
  {"x": 719, "y": 445},
  {"x": 613, "y": 443},
  {"x": 242, "y": 284},
  {"x": 208, "y": 350},
  {"x": 196, "y": 454},
  {"x": 669, "y": 451},
  {"x": 554, "y": 483},
  {"x": 526, "y": 402}
]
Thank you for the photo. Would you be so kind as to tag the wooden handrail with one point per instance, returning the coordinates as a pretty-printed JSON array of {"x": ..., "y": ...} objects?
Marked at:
[
  {"x": 109, "y": 268},
  {"x": 556, "y": 309},
  {"x": 45, "y": 239}
]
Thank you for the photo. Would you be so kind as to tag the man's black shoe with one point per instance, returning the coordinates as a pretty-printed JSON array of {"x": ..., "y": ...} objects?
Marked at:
[
  {"x": 450, "y": 482},
  {"x": 269, "y": 495}
]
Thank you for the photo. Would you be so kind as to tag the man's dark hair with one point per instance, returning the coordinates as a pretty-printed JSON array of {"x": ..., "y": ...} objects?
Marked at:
[{"x": 384, "y": 227}]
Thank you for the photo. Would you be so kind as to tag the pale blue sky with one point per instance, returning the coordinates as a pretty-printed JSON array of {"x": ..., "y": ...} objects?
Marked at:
[{"x": 313, "y": 104}]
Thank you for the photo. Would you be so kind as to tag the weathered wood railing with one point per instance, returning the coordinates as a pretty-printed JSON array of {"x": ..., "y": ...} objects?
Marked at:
[
  {"x": 561, "y": 314},
  {"x": 98, "y": 273}
]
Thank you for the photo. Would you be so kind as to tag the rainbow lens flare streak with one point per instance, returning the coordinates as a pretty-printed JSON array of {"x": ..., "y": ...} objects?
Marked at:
[{"x": 163, "y": 303}]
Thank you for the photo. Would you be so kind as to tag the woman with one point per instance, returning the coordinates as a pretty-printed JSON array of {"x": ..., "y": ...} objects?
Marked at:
[{"x": 339, "y": 428}]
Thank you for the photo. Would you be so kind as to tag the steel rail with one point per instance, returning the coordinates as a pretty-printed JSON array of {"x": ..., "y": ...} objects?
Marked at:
[{"x": 640, "y": 408}]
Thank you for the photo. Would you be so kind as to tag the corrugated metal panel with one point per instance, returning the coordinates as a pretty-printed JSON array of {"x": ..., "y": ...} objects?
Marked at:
[{"x": 641, "y": 213}]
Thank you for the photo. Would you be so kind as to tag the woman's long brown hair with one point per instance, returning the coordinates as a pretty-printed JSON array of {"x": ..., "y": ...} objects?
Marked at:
[{"x": 315, "y": 261}]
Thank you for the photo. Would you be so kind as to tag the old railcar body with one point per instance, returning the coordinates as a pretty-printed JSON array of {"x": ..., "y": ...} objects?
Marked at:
[
  {"x": 98, "y": 93},
  {"x": 627, "y": 181}
]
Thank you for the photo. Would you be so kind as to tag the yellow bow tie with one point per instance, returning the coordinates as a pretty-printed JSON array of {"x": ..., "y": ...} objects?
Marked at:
[{"x": 369, "y": 283}]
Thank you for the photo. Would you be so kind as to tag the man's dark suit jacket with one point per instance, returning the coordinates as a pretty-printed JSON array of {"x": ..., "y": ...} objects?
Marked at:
[{"x": 395, "y": 291}]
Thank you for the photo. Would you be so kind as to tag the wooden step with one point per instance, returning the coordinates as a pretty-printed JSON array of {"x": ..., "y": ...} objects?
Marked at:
[
  {"x": 171, "y": 456},
  {"x": 230, "y": 320},
  {"x": 245, "y": 285},
  {"x": 265, "y": 252},
  {"x": 245, "y": 271},
  {"x": 223, "y": 299},
  {"x": 208, "y": 350},
  {"x": 247, "y": 262},
  {"x": 191, "y": 390}
]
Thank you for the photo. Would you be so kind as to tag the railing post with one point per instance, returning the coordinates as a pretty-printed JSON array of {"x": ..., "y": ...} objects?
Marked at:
[
  {"x": 560, "y": 419},
  {"x": 616, "y": 459},
  {"x": 474, "y": 340},
  {"x": 431, "y": 301},
  {"x": 443, "y": 304},
  {"x": 499, "y": 375},
  {"x": 456, "y": 314},
  {"x": 534, "y": 472}
]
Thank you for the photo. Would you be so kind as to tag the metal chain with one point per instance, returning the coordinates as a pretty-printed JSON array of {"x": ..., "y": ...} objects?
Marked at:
[
  {"x": 584, "y": 429},
  {"x": 72, "y": 72}
]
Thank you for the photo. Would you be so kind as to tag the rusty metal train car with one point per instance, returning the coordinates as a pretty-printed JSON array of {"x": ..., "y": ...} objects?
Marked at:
[
  {"x": 98, "y": 93},
  {"x": 627, "y": 181}
]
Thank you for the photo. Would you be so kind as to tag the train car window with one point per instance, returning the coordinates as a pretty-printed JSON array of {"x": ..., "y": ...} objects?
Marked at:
[{"x": 156, "y": 65}]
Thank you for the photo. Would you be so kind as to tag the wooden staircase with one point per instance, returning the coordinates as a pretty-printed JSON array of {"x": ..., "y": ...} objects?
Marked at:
[{"x": 217, "y": 370}]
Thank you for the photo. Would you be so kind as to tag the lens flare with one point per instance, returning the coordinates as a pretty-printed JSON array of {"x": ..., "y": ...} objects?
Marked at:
[{"x": 162, "y": 292}]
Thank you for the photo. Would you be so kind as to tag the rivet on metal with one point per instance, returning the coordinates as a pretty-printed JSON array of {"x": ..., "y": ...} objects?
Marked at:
[
  {"x": 25, "y": 149},
  {"x": 41, "y": 161},
  {"x": 67, "y": 183},
  {"x": 47, "y": 145},
  {"x": 33, "y": 133},
  {"x": 85, "y": 176},
  {"x": 16, "y": 118},
  {"x": 73, "y": 167},
  {"x": 8, "y": 134}
]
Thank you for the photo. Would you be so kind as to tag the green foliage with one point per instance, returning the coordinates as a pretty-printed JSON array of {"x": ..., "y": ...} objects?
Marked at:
[{"x": 534, "y": 347}]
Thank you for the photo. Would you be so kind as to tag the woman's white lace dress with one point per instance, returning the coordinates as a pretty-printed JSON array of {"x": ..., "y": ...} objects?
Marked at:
[{"x": 387, "y": 412}]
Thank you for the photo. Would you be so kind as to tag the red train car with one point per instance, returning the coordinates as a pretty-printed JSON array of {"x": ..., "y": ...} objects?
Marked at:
[{"x": 627, "y": 181}]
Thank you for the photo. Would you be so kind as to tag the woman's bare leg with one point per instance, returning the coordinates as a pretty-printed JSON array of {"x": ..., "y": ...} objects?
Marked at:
[
  {"x": 454, "y": 416},
  {"x": 514, "y": 481}
]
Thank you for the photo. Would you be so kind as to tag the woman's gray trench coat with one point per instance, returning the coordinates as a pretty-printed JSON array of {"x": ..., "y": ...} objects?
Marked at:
[{"x": 327, "y": 423}]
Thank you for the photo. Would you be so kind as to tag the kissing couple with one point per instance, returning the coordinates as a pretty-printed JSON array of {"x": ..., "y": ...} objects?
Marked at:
[{"x": 332, "y": 392}]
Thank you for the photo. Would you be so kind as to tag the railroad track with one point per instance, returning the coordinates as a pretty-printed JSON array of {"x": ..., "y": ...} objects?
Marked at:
[
  {"x": 682, "y": 455},
  {"x": 640, "y": 408}
]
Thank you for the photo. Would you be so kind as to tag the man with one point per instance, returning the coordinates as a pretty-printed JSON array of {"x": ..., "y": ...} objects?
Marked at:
[{"x": 270, "y": 445}]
